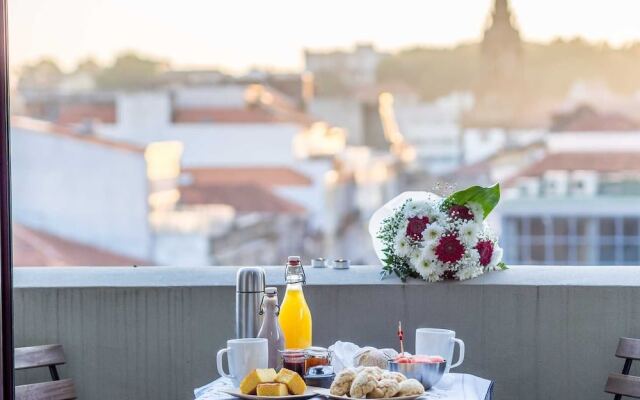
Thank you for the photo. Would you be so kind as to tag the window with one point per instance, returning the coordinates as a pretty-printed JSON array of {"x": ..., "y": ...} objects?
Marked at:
[{"x": 574, "y": 240}]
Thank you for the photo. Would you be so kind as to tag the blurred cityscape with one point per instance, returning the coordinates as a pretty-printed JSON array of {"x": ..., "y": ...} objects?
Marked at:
[{"x": 137, "y": 163}]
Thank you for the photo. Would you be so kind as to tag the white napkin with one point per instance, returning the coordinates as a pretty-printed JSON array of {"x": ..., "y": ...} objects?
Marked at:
[
  {"x": 212, "y": 391},
  {"x": 342, "y": 354}
]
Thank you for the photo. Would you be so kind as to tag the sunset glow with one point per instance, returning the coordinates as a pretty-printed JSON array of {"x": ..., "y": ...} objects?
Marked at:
[{"x": 237, "y": 35}]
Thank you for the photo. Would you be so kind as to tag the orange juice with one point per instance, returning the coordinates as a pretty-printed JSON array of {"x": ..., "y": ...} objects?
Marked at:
[{"x": 295, "y": 318}]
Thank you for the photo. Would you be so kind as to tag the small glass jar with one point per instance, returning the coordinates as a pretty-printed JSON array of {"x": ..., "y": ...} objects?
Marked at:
[
  {"x": 316, "y": 356},
  {"x": 294, "y": 359}
]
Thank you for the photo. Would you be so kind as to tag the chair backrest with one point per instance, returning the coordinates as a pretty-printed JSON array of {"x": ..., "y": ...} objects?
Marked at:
[
  {"x": 54, "y": 390},
  {"x": 50, "y": 355},
  {"x": 628, "y": 348},
  {"x": 39, "y": 356},
  {"x": 623, "y": 385}
]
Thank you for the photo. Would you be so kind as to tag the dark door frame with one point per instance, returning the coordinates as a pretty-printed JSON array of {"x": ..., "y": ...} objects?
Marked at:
[{"x": 6, "y": 278}]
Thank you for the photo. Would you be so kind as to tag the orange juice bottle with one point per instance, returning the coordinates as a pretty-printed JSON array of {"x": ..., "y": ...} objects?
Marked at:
[{"x": 295, "y": 317}]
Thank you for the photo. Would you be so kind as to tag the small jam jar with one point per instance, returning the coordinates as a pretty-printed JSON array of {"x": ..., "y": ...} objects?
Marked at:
[
  {"x": 294, "y": 359},
  {"x": 316, "y": 356}
]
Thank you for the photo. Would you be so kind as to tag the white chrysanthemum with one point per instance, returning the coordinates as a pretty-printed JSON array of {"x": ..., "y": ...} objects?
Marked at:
[
  {"x": 472, "y": 257},
  {"x": 429, "y": 250},
  {"x": 429, "y": 270},
  {"x": 432, "y": 232},
  {"x": 435, "y": 215},
  {"x": 477, "y": 211},
  {"x": 469, "y": 233},
  {"x": 415, "y": 255},
  {"x": 416, "y": 209},
  {"x": 402, "y": 246},
  {"x": 468, "y": 272}
]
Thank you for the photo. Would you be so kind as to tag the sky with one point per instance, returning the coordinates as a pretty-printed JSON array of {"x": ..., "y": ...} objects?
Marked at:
[{"x": 239, "y": 34}]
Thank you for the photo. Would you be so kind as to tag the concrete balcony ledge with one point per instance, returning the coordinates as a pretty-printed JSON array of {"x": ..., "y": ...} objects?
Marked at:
[
  {"x": 153, "y": 332},
  {"x": 77, "y": 277}
]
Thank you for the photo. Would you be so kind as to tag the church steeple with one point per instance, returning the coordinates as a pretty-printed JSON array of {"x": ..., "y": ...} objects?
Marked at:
[
  {"x": 500, "y": 85},
  {"x": 501, "y": 11},
  {"x": 501, "y": 35}
]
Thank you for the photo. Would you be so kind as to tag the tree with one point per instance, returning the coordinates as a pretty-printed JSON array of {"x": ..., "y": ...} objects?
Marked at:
[
  {"x": 550, "y": 69},
  {"x": 88, "y": 66},
  {"x": 43, "y": 74},
  {"x": 130, "y": 71}
]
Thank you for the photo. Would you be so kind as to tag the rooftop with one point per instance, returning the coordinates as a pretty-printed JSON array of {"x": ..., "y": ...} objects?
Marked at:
[
  {"x": 602, "y": 162},
  {"x": 32, "y": 247},
  {"x": 45, "y": 127},
  {"x": 222, "y": 115},
  {"x": 244, "y": 198},
  {"x": 588, "y": 119},
  {"x": 75, "y": 113},
  {"x": 267, "y": 176}
]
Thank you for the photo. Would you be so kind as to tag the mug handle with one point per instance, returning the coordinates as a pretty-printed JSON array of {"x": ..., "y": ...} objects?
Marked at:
[
  {"x": 219, "y": 363},
  {"x": 461, "y": 355}
]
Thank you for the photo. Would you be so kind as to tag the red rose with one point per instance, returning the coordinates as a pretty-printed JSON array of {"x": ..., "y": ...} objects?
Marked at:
[
  {"x": 416, "y": 226},
  {"x": 460, "y": 212},
  {"x": 449, "y": 249},
  {"x": 485, "y": 249}
]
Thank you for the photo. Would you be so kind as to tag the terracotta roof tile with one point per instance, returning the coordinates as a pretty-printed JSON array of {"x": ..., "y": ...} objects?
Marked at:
[
  {"x": 602, "y": 162},
  {"x": 36, "y": 248},
  {"x": 587, "y": 119},
  {"x": 222, "y": 115},
  {"x": 244, "y": 198},
  {"x": 267, "y": 176},
  {"x": 277, "y": 112},
  {"x": 79, "y": 112}
]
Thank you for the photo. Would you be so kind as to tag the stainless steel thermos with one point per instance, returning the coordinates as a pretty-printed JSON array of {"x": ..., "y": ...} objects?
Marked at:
[{"x": 250, "y": 285}]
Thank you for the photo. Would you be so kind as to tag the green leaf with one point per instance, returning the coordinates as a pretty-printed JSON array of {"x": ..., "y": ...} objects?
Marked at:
[
  {"x": 502, "y": 266},
  {"x": 487, "y": 197}
]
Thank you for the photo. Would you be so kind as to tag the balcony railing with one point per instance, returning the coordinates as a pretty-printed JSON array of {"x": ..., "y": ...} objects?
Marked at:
[{"x": 152, "y": 333}]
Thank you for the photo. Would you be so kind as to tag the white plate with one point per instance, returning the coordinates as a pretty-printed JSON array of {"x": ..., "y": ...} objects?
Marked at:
[
  {"x": 310, "y": 392},
  {"x": 325, "y": 392}
]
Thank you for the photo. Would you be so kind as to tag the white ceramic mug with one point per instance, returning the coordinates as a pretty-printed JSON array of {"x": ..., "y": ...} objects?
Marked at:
[
  {"x": 439, "y": 342},
  {"x": 243, "y": 356}
]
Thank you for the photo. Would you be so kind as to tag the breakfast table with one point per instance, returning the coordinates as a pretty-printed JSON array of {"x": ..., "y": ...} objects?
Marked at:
[{"x": 451, "y": 387}]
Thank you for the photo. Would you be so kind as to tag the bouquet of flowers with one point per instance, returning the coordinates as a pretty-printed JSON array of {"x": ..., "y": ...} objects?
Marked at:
[{"x": 419, "y": 234}]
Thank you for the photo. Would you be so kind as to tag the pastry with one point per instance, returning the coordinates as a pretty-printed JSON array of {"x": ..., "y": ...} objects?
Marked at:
[
  {"x": 256, "y": 377},
  {"x": 363, "y": 383},
  {"x": 410, "y": 387},
  {"x": 294, "y": 382},
  {"x": 375, "y": 371},
  {"x": 384, "y": 389},
  {"x": 272, "y": 389},
  {"x": 342, "y": 382},
  {"x": 370, "y": 357},
  {"x": 397, "y": 376}
]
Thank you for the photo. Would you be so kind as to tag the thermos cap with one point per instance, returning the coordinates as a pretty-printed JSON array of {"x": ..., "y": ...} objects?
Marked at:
[{"x": 250, "y": 280}]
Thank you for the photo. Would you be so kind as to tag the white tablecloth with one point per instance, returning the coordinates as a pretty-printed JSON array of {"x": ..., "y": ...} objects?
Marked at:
[{"x": 450, "y": 387}]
